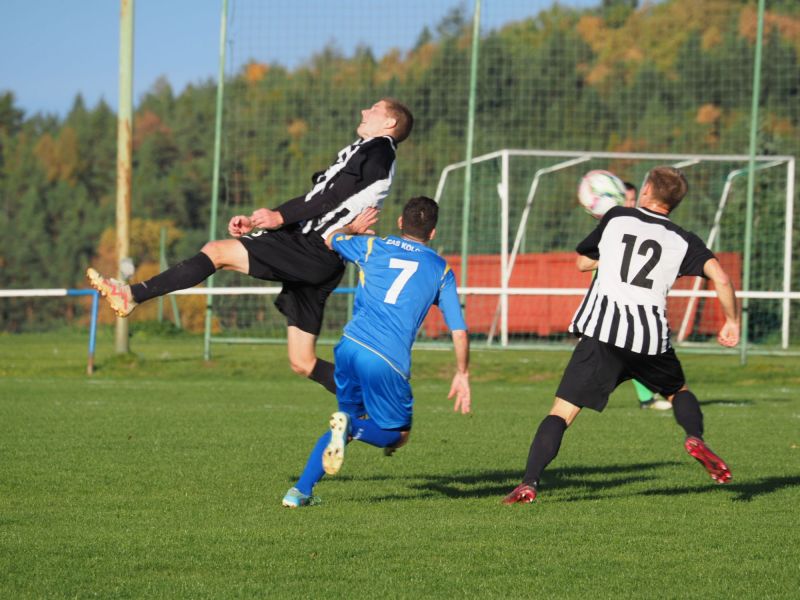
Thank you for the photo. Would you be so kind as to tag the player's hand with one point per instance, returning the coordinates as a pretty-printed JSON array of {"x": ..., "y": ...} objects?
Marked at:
[
  {"x": 729, "y": 334},
  {"x": 266, "y": 218},
  {"x": 239, "y": 226},
  {"x": 460, "y": 389},
  {"x": 362, "y": 223}
]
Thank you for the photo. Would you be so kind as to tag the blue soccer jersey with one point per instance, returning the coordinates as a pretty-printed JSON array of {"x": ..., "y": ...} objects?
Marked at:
[{"x": 399, "y": 280}]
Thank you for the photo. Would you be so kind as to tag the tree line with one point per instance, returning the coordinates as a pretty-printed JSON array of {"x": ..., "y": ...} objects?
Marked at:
[{"x": 671, "y": 77}]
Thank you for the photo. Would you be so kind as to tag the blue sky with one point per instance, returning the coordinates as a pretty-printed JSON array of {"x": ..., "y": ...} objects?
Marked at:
[{"x": 54, "y": 49}]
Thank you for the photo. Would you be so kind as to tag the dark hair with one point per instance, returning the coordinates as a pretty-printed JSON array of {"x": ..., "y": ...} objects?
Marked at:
[
  {"x": 629, "y": 186},
  {"x": 400, "y": 113},
  {"x": 668, "y": 185},
  {"x": 419, "y": 217}
]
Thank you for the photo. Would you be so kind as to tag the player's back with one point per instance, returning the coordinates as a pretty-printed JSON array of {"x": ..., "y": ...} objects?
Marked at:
[
  {"x": 640, "y": 254},
  {"x": 399, "y": 280}
]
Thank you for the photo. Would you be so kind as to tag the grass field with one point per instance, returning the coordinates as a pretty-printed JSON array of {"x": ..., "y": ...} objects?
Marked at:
[{"x": 161, "y": 477}]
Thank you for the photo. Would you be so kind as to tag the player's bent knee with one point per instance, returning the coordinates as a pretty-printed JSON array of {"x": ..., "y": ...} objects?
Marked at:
[
  {"x": 301, "y": 366},
  {"x": 227, "y": 254},
  {"x": 672, "y": 397},
  {"x": 565, "y": 410},
  {"x": 214, "y": 252}
]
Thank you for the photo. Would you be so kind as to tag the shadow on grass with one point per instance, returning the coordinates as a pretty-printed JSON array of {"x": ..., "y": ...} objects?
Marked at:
[
  {"x": 740, "y": 492},
  {"x": 498, "y": 483},
  {"x": 726, "y": 402},
  {"x": 580, "y": 480}
]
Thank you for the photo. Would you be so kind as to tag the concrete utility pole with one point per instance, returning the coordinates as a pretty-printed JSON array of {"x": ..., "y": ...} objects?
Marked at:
[{"x": 124, "y": 158}]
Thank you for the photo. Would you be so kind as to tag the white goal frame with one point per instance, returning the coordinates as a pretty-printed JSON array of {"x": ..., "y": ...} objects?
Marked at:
[{"x": 568, "y": 159}]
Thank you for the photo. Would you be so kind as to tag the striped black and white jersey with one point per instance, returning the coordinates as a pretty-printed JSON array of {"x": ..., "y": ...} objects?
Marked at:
[
  {"x": 641, "y": 253},
  {"x": 360, "y": 177}
]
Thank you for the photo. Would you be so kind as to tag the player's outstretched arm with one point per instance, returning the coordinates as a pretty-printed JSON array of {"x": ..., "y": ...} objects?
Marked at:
[
  {"x": 459, "y": 388},
  {"x": 729, "y": 334},
  {"x": 240, "y": 225}
]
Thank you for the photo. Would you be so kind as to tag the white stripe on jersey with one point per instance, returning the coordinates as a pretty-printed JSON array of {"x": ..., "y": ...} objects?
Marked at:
[{"x": 371, "y": 196}]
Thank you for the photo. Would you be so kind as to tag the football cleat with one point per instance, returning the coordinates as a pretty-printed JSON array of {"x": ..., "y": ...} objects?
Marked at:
[
  {"x": 522, "y": 494},
  {"x": 333, "y": 455},
  {"x": 656, "y": 404},
  {"x": 294, "y": 498},
  {"x": 712, "y": 463},
  {"x": 117, "y": 293}
]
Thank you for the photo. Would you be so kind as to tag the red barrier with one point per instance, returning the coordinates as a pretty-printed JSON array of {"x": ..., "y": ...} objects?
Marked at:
[{"x": 547, "y": 315}]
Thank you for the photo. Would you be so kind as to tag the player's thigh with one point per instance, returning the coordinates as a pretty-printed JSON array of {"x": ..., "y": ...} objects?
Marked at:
[
  {"x": 593, "y": 372},
  {"x": 662, "y": 373},
  {"x": 387, "y": 396},
  {"x": 228, "y": 254},
  {"x": 349, "y": 394}
]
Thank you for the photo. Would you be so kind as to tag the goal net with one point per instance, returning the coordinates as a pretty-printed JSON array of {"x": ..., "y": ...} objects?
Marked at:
[{"x": 604, "y": 79}]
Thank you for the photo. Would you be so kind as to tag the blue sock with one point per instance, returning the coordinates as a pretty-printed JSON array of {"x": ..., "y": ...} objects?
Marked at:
[
  {"x": 313, "y": 470},
  {"x": 366, "y": 430}
]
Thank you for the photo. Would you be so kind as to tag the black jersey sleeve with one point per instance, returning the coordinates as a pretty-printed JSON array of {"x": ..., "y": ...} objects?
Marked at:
[
  {"x": 590, "y": 245},
  {"x": 371, "y": 163},
  {"x": 697, "y": 254}
]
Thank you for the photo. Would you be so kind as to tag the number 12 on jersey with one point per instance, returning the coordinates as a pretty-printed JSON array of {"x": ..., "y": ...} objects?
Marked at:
[{"x": 407, "y": 269}]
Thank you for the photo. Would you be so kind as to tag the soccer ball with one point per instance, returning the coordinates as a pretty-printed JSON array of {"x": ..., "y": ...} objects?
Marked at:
[{"x": 599, "y": 191}]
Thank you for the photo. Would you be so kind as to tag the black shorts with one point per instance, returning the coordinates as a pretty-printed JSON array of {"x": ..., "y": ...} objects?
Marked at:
[
  {"x": 597, "y": 368},
  {"x": 308, "y": 269}
]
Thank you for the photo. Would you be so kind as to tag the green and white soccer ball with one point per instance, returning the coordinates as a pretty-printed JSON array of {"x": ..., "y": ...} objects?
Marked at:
[{"x": 599, "y": 191}]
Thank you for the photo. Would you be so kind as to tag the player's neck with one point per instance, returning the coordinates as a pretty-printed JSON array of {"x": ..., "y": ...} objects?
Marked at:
[
  {"x": 655, "y": 206},
  {"x": 411, "y": 238}
]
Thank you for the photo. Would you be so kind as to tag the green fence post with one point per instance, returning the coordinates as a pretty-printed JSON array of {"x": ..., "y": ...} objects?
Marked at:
[
  {"x": 212, "y": 226},
  {"x": 751, "y": 176},
  {"x": 473, "y": 82}
]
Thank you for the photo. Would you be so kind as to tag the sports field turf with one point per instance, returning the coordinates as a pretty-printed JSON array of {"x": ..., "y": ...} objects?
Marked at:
[{"x": 161, "y": 477}]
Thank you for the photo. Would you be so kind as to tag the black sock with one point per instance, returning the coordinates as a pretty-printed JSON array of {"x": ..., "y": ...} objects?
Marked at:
[
  {"x": 688, "y": 414},
  {"x": 322, "y": 373},
  {"x": 544, "y": 448},
  {"x": 184, "y": 275}
]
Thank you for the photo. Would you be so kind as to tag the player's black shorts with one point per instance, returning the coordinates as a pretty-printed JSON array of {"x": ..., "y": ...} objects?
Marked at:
[
  {"x": 597, "y": 368},
  {"x": 308, "y": 269}
]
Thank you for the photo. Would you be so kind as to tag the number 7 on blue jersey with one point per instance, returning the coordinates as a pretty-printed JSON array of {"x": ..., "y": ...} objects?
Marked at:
[{"x": 408, "y": 268}]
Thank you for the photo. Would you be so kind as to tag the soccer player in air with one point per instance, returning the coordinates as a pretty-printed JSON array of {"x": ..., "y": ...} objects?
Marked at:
[
  {"x": 647, "y": 399},
  {"x": 399, "y": 279},
  {"x": 287, "y": 244},
  {"x": 622, "y": 322}
]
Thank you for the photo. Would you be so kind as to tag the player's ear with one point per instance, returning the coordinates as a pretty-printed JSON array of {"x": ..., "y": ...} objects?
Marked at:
[
  {"x": 400, "y": 222},
  {"x": 390, "y": 123},
  {"x": 432, "y": 235}
]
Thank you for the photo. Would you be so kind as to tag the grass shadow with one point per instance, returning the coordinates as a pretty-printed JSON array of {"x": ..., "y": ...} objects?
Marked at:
[
  {"x": 498, "y": 483},
  {"x": 726, "y": 402},
  {"x": 741, "y": 492}
]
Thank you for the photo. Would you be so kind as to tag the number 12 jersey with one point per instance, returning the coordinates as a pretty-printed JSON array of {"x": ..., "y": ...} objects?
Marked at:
[{"x": 641, "y": 253}]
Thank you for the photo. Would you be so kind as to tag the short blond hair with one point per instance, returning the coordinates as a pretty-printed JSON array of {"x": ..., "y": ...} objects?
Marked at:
[
  {"x": 403, "y": 117},
  {"x": 668, "y": 185}
]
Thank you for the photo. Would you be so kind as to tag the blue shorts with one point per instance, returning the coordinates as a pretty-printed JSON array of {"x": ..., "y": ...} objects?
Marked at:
[{"x": 367, "y": 384}]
